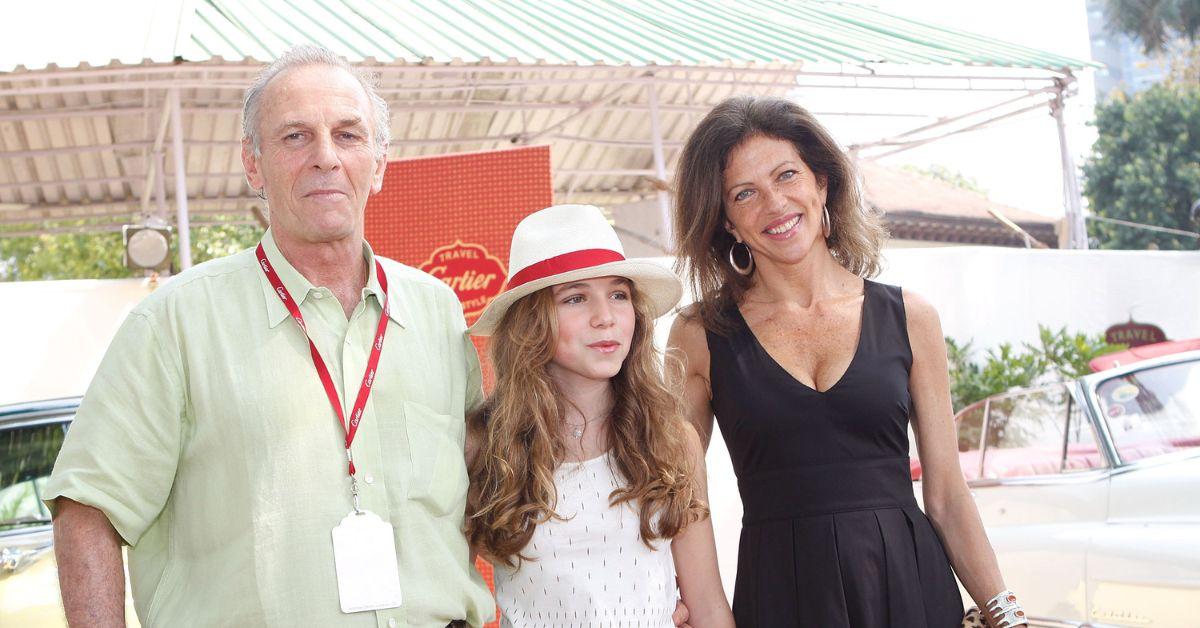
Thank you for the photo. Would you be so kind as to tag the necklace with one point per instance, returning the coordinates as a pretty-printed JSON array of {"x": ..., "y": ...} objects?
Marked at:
[{"x": 577, "y": 430}]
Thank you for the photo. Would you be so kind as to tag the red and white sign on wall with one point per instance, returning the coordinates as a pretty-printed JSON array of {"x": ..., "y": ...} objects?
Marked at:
[
  {"x": 475, "y": 274},
  {"x": 453, "y": 217}
]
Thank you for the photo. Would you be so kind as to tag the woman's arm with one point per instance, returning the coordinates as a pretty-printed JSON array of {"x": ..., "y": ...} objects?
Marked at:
[
  {"x": 688, "y": 344},
  {"x": 695, "y": 554},
  {"x": 947, "y": 499}
]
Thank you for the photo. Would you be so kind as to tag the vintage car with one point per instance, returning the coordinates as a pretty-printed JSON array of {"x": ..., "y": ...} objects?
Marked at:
[
  {"x": 30, "y": 436},
  {"x": 1090, "y": 492}
]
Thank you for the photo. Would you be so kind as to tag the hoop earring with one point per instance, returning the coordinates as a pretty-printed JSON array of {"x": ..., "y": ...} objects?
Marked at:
[
  {"x": 742, "y": 270},
  {"x": 826, "y": 224}
]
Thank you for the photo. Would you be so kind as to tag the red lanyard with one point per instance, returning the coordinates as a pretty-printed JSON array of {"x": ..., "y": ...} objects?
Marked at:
[{"x": 364, "y": 390}]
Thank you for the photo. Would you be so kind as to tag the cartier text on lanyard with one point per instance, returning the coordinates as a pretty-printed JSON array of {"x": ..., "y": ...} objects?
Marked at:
[
  {"x": 364, "y": 545},
  {"x": 364, "y": 390}
]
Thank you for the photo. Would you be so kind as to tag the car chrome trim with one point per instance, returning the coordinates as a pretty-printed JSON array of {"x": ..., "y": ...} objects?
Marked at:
[
  {"x": 1044, "y": 622},
  {"x": 1070, "y": 477},
  {"x": 51, "y": 419},
  {"x": 47, "y": 529},
  {"x": 1038, "y": 622},
  {"x": 1158, "y": 461},
  {"x": 38, "y": 413},
  {"x": 1174, "y": 358},
  {"x": 1088, "y": 412}
]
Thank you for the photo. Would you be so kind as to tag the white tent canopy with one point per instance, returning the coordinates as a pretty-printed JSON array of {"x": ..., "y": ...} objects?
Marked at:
[{"x": 611, "y": 86}]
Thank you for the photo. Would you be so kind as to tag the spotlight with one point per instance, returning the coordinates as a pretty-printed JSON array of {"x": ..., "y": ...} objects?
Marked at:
[{"x": 147, "y": 247}]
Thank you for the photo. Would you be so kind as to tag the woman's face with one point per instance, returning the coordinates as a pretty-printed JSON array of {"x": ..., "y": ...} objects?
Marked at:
[
  {"x": 595, "y": 328},
  {"x": 773, "y": 201}
]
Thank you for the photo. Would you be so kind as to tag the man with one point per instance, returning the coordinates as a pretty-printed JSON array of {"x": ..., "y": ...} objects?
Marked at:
[{"x": 212, "y": 441}]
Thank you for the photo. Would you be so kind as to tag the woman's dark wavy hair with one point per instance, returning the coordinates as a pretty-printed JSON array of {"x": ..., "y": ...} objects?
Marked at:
[{"x": 856, "y": 234}]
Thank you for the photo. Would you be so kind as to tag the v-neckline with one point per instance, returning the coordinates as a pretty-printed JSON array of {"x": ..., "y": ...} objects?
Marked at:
[{"x": 862, "y": 326}]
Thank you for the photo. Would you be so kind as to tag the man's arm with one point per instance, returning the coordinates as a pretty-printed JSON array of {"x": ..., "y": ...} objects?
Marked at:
[{"x": 90, "y": 572}]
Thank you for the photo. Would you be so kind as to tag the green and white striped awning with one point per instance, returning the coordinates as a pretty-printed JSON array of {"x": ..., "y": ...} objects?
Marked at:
[{"x": 666, "y": 32}]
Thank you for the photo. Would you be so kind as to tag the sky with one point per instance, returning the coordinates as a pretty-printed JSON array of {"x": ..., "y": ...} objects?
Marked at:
[
  {"x": 96, "y": 33},
  {"x": 1018, "y": 161}
]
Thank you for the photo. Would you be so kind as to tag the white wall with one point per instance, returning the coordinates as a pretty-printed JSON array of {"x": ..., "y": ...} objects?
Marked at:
[
  {"x": 994, "y": 294},
  {"x": 53, "y": 333}
]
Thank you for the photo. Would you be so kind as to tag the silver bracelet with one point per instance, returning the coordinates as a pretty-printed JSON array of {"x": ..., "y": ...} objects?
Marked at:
[{"x": 1005, "y": 611}]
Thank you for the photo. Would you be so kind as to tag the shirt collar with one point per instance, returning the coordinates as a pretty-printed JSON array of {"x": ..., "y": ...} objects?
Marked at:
[{"x": 300, "y": 287}]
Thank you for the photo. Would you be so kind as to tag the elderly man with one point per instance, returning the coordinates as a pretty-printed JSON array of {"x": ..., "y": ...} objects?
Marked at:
[{"x": 278, "y": 435}]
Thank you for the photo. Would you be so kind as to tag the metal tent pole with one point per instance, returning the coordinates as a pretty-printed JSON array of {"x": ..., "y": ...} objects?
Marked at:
[
  {"x": 1076, "y": 229},
  {"x": 181, "y": 193},
  {"x": 660, "y": 168}
]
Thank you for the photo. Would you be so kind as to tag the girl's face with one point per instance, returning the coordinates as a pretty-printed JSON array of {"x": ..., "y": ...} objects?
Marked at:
[
  {"x": 595, "y": 328},
  {"x": 773, "y": 201}
]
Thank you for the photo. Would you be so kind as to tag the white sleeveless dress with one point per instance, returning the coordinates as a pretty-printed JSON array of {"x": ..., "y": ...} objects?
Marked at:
[{"x": 592, "y": 570}]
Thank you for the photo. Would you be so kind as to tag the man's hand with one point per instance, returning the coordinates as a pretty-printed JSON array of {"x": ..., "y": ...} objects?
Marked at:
[
  {"x": 90, "y": 572},
  {"x": 680, "y": 616}
]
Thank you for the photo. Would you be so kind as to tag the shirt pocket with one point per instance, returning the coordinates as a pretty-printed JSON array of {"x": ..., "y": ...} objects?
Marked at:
[{"x": 439, "y": 473}]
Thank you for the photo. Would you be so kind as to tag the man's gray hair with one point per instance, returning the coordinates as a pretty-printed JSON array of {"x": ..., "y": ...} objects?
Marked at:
[{"x": 306, "y": 55}]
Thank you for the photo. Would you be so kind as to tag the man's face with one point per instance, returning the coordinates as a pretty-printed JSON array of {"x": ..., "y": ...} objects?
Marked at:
[{"x": 318, "y": 162}]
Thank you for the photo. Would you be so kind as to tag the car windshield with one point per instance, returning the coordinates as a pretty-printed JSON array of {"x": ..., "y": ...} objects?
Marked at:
[
  {"x": 1154, "y": 411},
  {"x": 27, "y": 454}
]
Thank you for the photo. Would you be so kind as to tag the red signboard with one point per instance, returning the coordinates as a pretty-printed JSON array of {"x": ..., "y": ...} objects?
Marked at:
[
  {"x": 1134, "y": 334},
  {"x": 453, "y": 217},
  {"x": 475, "y": 274}
]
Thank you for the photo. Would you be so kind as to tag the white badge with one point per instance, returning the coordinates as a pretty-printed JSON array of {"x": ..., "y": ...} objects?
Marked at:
[{"x": 364, "y": 554}]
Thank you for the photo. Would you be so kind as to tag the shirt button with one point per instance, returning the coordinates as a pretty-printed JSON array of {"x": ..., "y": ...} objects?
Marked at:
[
  {"x": 370, "y": 479},
  {"x": 317, "y": 294},
  {"x": 392, "y": 623}
]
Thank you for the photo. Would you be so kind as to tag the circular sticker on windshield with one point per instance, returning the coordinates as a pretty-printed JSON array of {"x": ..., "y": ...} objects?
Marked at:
[{"x": 1124, "y": 393}]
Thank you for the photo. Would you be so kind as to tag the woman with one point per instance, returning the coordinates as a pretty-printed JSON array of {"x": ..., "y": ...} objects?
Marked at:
[
  {"x": 587, "y": 487},
  {"x": 813, "y": 372}
]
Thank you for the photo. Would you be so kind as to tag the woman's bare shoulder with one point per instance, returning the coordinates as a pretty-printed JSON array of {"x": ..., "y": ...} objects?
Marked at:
[
  {"x": 688, "y": 335},
  {"x": 688, "y": 326}
]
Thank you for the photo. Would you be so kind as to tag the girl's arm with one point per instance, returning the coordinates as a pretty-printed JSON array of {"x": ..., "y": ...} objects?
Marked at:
[
  {"x": 695, "y": 554},
  {"x": 947, "y": 499}
]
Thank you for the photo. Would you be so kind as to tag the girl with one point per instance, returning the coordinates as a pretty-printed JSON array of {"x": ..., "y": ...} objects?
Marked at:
[{"x": 587, "y": 487}]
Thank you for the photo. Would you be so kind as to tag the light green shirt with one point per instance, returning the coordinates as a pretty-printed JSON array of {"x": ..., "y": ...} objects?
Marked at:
[{"x": 208, "y": 440}]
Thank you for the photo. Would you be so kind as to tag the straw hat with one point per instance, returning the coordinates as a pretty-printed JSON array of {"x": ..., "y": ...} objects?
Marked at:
[{"x": 569, "y": 243}]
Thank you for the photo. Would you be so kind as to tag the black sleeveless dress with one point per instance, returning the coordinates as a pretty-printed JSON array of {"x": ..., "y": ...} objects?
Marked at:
[{"x": 831, "y": 533}]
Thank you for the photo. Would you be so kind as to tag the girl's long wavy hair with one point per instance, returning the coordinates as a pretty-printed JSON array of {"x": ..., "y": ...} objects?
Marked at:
[
  {"x": 856, "y": 235},
  {"x": 519, "y": 431}
]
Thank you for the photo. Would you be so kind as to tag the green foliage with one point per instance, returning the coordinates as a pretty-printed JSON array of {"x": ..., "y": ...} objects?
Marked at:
[
  {"x": 213, "y": 241},
  {"x": 62, "y": 256},
  {"x": 946, "y": 175},
  {"x": 1066, "y": 356},
  {"x": 1184, "y": 67},
  {"x": 14, "y": 501},
  {"x": 90, "y": 255},
  {"x": 1145, "y": 167},
  {"x": 1057, "y": 356},
  {"x": 1154, "y": 22}
]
